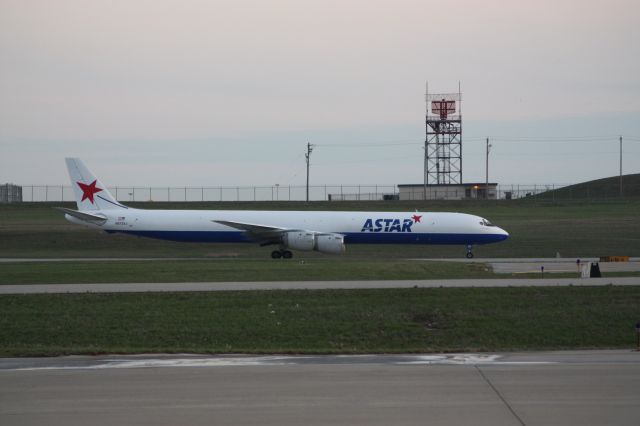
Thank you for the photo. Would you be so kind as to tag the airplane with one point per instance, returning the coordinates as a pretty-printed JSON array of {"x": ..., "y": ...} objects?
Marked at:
[{"x": 322, "y": 231}]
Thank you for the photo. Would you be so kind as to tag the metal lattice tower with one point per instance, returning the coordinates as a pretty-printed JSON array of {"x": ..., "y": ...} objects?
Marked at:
[{"x": 443, "y": 143}]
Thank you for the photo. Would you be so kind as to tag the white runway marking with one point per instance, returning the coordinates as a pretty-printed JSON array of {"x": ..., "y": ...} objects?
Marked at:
[
  {"x": 120, "y": 363},
  {"x": 158, "y": 363}
]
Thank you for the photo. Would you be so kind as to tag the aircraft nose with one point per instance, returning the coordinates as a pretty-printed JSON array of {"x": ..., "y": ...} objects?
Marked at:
[{"x": 504, "y": 233}]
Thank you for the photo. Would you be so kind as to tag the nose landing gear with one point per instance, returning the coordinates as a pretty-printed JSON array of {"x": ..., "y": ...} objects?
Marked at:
[{"x": 469, "y": 252}]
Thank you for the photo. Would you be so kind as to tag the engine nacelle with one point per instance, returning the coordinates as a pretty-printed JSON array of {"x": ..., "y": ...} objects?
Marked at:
[
  {"x": 299, "y": 240},
  {"x": 308, "y": 241},
  {"x": 330, "y": 243}
]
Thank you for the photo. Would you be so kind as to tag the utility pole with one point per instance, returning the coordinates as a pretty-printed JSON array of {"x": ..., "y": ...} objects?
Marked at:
[
  {"x": 620, "y": 166},
  {"x": 426, "y": 145},
  {"x": 307, "y": 156},
  {"x": 486, "y": 181}
]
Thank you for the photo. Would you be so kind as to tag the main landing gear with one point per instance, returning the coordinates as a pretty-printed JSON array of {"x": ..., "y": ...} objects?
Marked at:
[
  {"x": 469, "y": 252},
  {"x": 285, "y": 254}
]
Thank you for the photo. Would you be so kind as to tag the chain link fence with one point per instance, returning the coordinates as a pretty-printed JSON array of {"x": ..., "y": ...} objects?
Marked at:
[{"x": 59, "y": 193}]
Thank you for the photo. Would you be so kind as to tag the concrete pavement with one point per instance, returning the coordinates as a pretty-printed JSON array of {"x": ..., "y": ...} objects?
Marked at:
[
  {"x": 556, "y": 388},
  {"x": 310, "y": 285}
]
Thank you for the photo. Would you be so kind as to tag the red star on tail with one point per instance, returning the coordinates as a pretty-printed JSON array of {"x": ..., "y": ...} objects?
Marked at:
[
  {"x": 88, "y": 190},
  {"x": 416, "y": 218}
]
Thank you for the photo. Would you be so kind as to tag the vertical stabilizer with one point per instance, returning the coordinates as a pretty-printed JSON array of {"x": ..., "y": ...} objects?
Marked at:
[{"x": 89, "y": 192}]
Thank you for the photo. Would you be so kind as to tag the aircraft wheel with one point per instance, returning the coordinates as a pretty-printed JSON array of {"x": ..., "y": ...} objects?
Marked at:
[
  {"x": 287, "y": 254},
  {"x": 276, "y": 254},
  {"x": 469, "y": 253}
]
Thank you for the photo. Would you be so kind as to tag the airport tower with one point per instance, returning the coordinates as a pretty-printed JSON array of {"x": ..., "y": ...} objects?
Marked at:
[{"x": 443, "y": 143}]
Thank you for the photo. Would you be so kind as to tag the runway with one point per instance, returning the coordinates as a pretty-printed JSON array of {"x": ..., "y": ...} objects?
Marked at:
[
  {"x": 563, "y": 388},
  {"x": 309, "y": 285}
]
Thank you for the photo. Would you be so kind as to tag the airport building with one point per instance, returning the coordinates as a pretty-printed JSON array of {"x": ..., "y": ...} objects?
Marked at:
[
  {"x": 10, "y": 193},
  {"x": 463, "y": 191}
]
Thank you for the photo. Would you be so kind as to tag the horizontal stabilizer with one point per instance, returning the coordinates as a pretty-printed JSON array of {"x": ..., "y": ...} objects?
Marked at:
[{"x": 96, "y": 218}]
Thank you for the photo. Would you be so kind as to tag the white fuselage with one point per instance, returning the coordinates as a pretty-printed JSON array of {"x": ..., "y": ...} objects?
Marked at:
[{"x": 356, "y": 227}]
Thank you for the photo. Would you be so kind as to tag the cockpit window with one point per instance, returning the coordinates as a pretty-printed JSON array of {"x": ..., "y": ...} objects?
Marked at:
[{"x": 485, "y": 222}]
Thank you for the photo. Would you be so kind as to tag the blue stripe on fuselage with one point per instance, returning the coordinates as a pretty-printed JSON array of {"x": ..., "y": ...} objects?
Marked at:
[{"x": 350, "y": 237}]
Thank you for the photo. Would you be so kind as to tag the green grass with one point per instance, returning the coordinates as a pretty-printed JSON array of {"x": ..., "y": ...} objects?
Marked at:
[
  {"x": 326, "y": 321},
  {"x": 538, "y": 228},
  {"x": 234, "y": 270},
  {"x": 599, "y": 188},
  {"x": 340, "y": 321}
]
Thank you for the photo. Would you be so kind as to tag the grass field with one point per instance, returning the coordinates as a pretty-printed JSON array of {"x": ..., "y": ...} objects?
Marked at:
[
  {"x": 344, "y": 321},
  {"x": 538, "y": 228},
  {"x": 327, "y": 321},
  {"x": 599, "y": 188},
  {"x": 234, "y": 270}
]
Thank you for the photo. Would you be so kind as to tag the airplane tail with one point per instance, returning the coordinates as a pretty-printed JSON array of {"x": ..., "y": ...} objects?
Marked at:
[{"x": 89, "y": 192}]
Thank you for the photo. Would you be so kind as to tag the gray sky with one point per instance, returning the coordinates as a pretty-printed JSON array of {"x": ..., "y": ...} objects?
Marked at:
[{"x": 228, "y": 92}]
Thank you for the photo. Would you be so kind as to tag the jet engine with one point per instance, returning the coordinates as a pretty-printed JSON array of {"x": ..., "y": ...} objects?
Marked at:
[
  {"x": 308, "y": 241},
  {"x": 330, "y": 243},
  {"x": 299, "y": 240}
]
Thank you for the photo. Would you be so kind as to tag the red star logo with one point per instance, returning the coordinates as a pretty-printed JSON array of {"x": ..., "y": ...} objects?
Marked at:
[
  {"x": 416, "y": 218},
  {"x": 88, "y": 190}
]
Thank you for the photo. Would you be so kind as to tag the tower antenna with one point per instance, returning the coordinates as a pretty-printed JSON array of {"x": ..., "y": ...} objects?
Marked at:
[{"x": 443, "y": 142}]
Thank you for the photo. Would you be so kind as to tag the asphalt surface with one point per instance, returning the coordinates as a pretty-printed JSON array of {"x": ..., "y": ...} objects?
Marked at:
[
  {"x": 498, "y": 265},
  {"x": 552, "y": 388},
  {"x": 309, "y": 285}
]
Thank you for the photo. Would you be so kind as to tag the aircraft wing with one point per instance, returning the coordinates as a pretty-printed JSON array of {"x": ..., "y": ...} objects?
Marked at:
[
  {"x": 263, "y": 233},
  {"x": 97, "y": 218}
]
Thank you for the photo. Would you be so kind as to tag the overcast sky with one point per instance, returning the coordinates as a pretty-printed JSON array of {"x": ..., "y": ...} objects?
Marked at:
[{"x": 229, "y": 92}]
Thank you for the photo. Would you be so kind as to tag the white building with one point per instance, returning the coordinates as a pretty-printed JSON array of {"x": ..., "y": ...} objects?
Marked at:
[{"x": 463, "y": 191}]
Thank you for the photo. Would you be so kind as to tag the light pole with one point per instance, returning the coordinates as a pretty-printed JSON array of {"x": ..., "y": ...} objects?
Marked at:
[
  {"x": 486, "y": 181},
  {"x": 620, "y": 166},
  {"x": 307, "y": 156}
]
